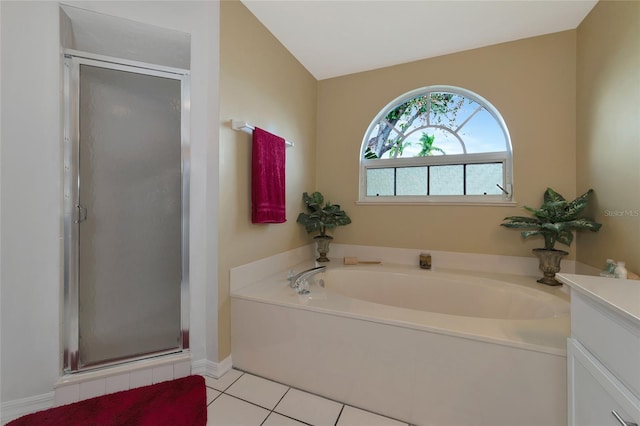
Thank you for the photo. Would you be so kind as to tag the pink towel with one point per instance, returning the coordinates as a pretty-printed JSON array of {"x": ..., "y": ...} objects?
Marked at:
[{"x": 267, "y": 178}]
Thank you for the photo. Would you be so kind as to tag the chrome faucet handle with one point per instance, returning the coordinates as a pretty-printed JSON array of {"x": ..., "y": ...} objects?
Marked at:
[
  {"x": 301, "y": 287},
  {"x": 291, "y": 276},
  {"x": 300, "y": 280}
]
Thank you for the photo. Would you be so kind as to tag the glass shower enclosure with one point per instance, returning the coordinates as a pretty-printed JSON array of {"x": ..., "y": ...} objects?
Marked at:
[{"x": 126, "y": 211}]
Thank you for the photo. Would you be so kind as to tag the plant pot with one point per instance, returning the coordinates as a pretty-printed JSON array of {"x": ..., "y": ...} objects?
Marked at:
[
  {"x": 322, "y": 245},
  {"x": 549, "y": 264}
]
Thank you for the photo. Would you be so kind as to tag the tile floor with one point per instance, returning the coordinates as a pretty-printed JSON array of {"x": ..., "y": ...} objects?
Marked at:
[{"x": 242, "y": 399}]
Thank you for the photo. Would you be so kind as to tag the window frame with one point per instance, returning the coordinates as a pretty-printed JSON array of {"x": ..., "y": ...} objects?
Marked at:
[{"x": 504, "y": 157}]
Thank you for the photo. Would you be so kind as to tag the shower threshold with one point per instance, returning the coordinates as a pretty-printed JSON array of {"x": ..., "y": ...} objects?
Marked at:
[{"x": 74, "y": 387}]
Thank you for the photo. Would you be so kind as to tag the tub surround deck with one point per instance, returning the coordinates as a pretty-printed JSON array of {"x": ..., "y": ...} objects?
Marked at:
[{"x": 473, "y": 262}]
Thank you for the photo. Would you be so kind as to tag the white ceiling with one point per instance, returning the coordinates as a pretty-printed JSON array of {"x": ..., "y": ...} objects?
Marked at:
[{"x": 331, "y": 38}]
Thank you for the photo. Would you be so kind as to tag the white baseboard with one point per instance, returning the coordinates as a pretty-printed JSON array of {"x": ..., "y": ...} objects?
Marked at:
[
  {"x": 210, "y": 368},
  {"x": 11, "y": 410}
]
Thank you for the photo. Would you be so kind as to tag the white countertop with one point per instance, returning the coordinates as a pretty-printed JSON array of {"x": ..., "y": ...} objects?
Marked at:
[{"x": 621, "y": 296}]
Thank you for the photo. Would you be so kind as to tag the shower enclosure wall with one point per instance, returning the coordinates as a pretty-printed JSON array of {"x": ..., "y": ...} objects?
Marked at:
[{"x": 126, "y": 211}]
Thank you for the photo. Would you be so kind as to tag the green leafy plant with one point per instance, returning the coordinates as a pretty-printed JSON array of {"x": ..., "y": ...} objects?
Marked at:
[
  {"x": 555, "y": 220},
  {"x": 437, "y": 107},
  {"x": 426, "y": 146},
  {"x": 321, "y": 216}
]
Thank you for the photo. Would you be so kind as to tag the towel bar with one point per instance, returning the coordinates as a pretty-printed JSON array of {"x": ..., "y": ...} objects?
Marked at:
[{"x": 243, "y": 126}]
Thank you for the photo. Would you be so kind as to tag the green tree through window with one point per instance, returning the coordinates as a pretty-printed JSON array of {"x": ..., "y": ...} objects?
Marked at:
[{"x": 409, "y": 142}]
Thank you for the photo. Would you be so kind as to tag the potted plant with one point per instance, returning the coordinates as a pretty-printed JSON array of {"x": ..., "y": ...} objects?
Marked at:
[
  {"x": 319, "y": 219},
  {"x": 555, "y": 221}
]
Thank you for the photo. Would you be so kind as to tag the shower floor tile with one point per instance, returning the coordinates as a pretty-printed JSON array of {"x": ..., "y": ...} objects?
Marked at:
[{"x": 239, "y": 398}]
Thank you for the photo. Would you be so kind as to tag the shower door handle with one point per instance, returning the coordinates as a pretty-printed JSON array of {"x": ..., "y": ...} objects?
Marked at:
[{"x": 82, "y": 213}]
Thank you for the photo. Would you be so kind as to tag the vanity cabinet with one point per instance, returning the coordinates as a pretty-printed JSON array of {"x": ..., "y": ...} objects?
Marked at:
[{"x": 603, "y": 351}]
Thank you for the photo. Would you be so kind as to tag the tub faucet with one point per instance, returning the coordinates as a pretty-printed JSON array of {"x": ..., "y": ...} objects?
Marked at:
[{"x": 296, "y": 281}]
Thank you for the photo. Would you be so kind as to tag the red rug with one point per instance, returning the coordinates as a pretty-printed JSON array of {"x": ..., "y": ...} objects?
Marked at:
[{"x": 180, "y": 402}]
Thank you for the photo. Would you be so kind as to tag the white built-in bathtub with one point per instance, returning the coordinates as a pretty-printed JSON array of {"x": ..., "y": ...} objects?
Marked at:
[{"x": 427, "y": 347}]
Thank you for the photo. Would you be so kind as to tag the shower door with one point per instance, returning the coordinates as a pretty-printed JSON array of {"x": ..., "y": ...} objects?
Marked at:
[{"x": 126, "y": 218}]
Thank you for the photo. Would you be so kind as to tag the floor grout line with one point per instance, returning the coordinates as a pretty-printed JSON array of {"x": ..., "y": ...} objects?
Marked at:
[
  {"x": 273, "y": 410},
  {"x": 289, "y": 417},
  {"x": 244, "y": 400},
  {"x": 281, "y": 398},
  {"x": 339, "y": 415}
]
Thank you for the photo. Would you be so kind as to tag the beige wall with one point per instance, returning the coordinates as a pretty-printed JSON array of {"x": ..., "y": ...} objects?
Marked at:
[
  {"x": 542, "y": 86},
  {"x": 531, "y": 82},
  {"x": 608, "y": 129},
  {"x": 260, "y": 82}
]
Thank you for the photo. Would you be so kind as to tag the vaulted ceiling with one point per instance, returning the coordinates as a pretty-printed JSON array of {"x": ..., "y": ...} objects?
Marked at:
[{"x": 337, "y": 37}]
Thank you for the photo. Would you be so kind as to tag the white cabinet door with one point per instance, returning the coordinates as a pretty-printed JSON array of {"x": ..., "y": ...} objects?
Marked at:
[{"x": 594, "y": 394}]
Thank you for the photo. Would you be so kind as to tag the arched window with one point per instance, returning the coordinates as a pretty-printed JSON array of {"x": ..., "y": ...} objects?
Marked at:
[{"x": 437, "y": 144}]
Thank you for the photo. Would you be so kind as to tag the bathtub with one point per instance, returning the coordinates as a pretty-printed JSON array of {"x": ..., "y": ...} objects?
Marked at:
[{"x": 426, "y": 347}]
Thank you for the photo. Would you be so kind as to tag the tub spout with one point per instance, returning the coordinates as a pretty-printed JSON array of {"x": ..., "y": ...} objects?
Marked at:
[{"x": 298, "y": 280}]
